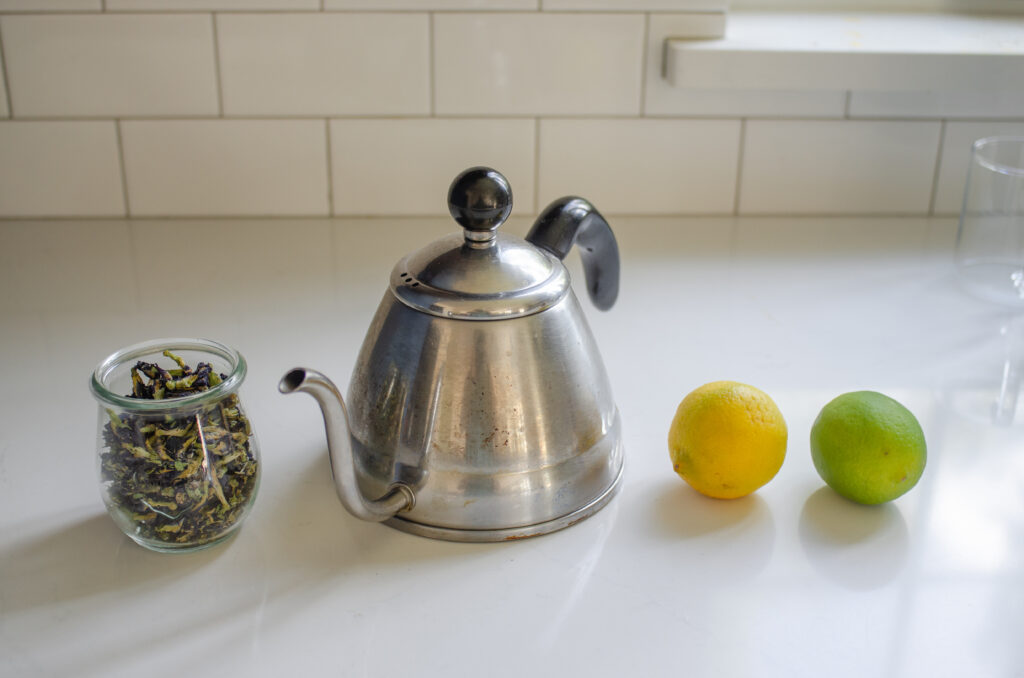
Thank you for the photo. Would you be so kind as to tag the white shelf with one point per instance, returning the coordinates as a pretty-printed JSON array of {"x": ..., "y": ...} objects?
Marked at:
[{"x": 841, "y": 51}]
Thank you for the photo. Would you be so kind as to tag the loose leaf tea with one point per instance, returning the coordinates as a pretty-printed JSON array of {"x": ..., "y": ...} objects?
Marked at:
[{"x": 186, "y": 477}]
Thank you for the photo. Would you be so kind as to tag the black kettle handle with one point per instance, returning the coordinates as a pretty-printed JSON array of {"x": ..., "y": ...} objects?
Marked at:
[{"x": 571, "y": 220}]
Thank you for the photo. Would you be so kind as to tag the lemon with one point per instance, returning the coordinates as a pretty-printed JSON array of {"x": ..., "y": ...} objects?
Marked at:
[
  {"x": 727, "y": 439},
  {"x": 868, "y": 447}
]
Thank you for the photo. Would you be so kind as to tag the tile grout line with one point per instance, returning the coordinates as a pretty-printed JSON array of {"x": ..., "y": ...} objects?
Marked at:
[
  {"x": 269, "y": 11},
  {"x": 123, "y": 166},
  {"x": 330, "y": 169},
  {"x": 536, "y": 166},
  {"x": 644, "y": 52},
  {"x": 938, "y": 168},
  {"x": 741, "y": 149},
  {"x": 506, "y": 116},
  {"x": 431, "y": 68},
  {"x": 7, "y": 79},
  {"x": 216, "y": 66}
]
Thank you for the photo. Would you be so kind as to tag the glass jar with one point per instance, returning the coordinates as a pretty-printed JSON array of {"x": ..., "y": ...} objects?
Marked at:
[
  {"x": 990, "y": 240},
  {"x": 177, "y": 460}
]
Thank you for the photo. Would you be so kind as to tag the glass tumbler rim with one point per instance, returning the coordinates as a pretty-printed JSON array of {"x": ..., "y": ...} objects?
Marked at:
[
  {"x": 97, "y": 382},
  {"x": 980, "y": 145}
]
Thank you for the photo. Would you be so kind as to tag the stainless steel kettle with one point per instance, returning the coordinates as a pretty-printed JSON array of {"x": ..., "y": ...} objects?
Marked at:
[{"x": 479, "y": 408}]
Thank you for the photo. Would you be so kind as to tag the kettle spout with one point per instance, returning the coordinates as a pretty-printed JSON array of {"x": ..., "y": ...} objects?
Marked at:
[{"x": 399, "y": 497}]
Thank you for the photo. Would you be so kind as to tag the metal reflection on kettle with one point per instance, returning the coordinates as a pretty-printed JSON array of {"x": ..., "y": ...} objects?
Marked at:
[{"x": 479, "y": 408}]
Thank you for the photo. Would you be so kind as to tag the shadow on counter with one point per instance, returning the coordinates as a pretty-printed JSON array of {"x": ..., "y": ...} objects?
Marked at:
[
  {"x": 858, "y": 547},
  {"x": 70, "y": 559},
  {"x": 734, "y": 539}
]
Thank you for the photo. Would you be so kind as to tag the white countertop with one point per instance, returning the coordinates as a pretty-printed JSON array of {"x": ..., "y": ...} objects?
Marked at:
[{"x": 792, "y": 581}]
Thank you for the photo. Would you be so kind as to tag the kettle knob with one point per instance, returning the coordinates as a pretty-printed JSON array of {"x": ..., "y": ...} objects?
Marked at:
[{"x": 480, "y": 199}]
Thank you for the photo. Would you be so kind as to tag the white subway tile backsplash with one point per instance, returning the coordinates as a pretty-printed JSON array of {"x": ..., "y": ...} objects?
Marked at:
[
  {"x": 1007, "y": 103},
  {"x": 956, "y": 157},
  {"x": 274, "y": 107},
  {"x": 662, "y": 99},
  {"x": 324, "y": 64},
  {"x": 226, "y": 167},
  {"x": 110, "y": 65},
  {"x": 538, "y": 63},
  {"x": 59, "y": 169},
  {"x": 838, "y": 167},
  {"x": 430, "y": 5},
  {"x": 210, "y": 5},
  {"x": 51, "y": 5},
  {"x": 404, "y": 167},
  {"x": 641, "y": 166}
]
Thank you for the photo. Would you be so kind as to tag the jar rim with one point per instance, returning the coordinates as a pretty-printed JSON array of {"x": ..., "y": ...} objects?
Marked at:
[
  {"x": 983, "y": 146},
  {"x": 136, "y": 351}
]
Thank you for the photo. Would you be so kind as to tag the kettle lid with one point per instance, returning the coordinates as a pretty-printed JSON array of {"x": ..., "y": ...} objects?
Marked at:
[{"x": 480, "y": 274}]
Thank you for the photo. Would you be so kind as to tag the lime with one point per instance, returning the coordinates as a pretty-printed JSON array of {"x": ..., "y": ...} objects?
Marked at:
[
  {"x": 868, "y": 447},
  {"x": 727, "y": 439}
]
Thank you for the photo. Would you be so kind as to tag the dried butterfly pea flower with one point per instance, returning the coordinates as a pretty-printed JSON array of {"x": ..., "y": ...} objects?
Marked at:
[{"x": 186, "y": 477}]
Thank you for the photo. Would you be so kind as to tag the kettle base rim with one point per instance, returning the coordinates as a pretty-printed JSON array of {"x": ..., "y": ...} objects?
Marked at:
[{"x": 480, "y": 536}]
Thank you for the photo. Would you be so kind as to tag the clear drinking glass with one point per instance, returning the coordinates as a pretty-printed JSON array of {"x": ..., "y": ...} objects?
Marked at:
[
  {"x": 990, "y": 240},
  {"x": 178, "y": 471}
]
